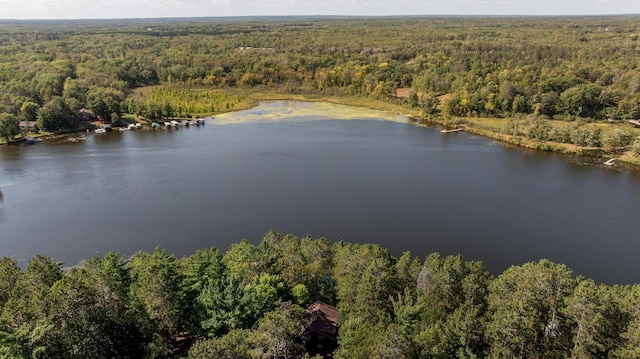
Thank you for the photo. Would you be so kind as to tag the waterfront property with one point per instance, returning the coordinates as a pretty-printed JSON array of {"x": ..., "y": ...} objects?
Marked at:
[{"x": 322, "y": 329}]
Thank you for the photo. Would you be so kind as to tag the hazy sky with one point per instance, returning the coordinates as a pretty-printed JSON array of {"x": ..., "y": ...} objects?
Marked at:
[{"x": 91, "y": 9}]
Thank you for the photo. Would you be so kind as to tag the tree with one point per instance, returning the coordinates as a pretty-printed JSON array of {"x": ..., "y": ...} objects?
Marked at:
[
  {"x": 233, "y": 345},
  {"x": 155, "y": 291},
  {"x": 307, "y": 262},
  {"x": 507, "y": 96},
  {"x": 279, "y": 333},
  {"x": 300, "y": 294},
  {"x": 75, "y": 88},
  {"x": 635, "y": 147},
  {"x": 393, "y": 344},
  {"x": 526, "y": 305},
  {"x": 513, "y": 126},
  {"x": 56, "y": 115},
  {"x": 109, "y": 281},
  {"x": 29, "y": 111},
  {"x": 81, "y": 330},
  {"x": 105, "y": 103},
  {"x": 243, "y": 262},
  {"x": 548, "y": 103},
  {"x": 453, "y": 294},
  {"x": 202, "y": 271},
  {"x": 8, "y": 126},
  {"x": 539, "y": 129},
  {"x": 9, "y": 275},
  {"x": 629, "y": 304},
  {"x": 48, "y": 85},
  {"x": 365, "y": 281},
  {"x": 596, "y": 320},
  {"x": 263, "y": 294},
  {"x": 407, "y": 271},
  {"x": 582, "y": 100},
  {"x": 222, "y": 299},
  {"x": 583, "y": 136},
  {"x": 26, "y": 326},
  {"x": 358, "y": 338}
]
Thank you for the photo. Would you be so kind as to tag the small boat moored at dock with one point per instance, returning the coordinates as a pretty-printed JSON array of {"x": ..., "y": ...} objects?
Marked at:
[{"x": 453, "y": 130}]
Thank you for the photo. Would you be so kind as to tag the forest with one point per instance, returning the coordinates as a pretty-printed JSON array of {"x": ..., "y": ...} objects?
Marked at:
[
  {"x": 565, "y": 80},
  {"x": 568, "y": 80},
  {"x": 249, "y": 302}
]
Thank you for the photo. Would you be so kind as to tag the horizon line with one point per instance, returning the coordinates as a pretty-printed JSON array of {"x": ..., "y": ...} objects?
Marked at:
[{"x": 318, "y": 16}]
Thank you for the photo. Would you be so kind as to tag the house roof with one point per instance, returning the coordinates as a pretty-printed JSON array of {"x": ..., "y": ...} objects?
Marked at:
[
  {"x": 27, "y": 123},
  {"x": 323, "y": 319},
  {"x": 403, "y": 92}
]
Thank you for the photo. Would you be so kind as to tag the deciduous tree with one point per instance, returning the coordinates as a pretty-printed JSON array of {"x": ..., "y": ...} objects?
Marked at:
[{"x": 8, "y": 126}]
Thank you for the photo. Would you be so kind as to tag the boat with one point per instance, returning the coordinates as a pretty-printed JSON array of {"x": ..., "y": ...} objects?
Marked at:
[
  {"x": 30, "y": 140},
  {"x": 175, "y": 123},
  {"x": 131, "y": 126},
  {"x": 77, "y": 139},
  {"x": 453, "y": 130},
  {"x": 138, "y": 126},
  {"x": 610, "y": 162},
  {"x": 168, "y": 124},
  {"x": 100, "y": 130}
]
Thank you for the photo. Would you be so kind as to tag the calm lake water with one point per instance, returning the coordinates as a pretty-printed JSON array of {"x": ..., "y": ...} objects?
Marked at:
[{"x": 298, "y": 168}]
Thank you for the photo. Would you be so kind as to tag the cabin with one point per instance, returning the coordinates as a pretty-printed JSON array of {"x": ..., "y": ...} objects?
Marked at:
[
  {"x": 403, "y": 92},
  {"x": 86, "y": 115},
  {"x": 27, "y": 126},
  {"x": 322, "y": 329}
]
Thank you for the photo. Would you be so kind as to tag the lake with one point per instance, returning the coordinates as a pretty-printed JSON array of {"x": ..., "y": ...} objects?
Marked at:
[{"x": 302, "y": 168}]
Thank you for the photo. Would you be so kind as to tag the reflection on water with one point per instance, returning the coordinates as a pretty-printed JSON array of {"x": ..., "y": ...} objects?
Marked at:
[{"x": 395, "y": 184}]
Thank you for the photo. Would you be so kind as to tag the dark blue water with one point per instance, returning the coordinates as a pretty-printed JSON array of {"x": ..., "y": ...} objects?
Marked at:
[{"x": 404, "y": 187}]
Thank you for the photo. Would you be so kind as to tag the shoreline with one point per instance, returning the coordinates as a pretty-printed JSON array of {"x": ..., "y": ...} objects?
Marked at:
[{"x": 623, "y": 159}]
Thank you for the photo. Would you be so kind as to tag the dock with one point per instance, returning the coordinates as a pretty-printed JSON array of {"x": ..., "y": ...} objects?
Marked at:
[{"x": 453, "y": 130}]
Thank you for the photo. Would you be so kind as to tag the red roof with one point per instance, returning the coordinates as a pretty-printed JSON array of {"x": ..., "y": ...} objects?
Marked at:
[{"x": 323, "y": 319}]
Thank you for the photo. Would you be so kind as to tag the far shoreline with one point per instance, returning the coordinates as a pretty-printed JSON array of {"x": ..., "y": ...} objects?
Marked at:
[
  {"x": 626, "y": 160},
  {"x": 622, "y": 158}
]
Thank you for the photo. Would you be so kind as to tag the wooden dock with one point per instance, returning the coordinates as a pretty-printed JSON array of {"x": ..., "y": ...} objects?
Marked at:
[{"x": 454, "y": 130}]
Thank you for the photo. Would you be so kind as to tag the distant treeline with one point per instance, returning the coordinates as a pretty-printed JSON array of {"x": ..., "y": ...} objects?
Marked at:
[
  {"x": 249, "y": 303},
  {"x": 553, "y": 67}
]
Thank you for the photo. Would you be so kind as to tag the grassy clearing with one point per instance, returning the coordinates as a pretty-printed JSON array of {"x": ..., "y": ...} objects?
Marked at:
[{"x": 196, "y": 101}]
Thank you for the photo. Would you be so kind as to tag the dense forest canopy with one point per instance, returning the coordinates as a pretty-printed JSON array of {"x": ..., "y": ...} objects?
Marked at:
[
  {"x": 565, "y": 67},
  {"x": 550, "y": 78},
  {"x": 249, "y": 303}
]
